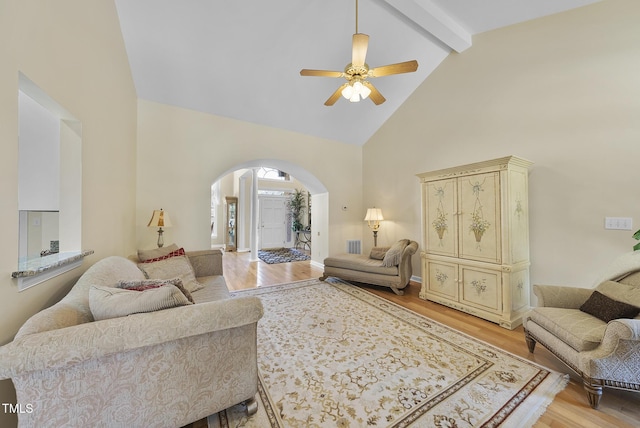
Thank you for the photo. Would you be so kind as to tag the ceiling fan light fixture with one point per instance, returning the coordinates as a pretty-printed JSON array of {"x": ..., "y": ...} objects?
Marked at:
[
  {"x": 347, "y": 92},
  {"x": 356, "y": 91},
  {"x": 365, "y": 92}
]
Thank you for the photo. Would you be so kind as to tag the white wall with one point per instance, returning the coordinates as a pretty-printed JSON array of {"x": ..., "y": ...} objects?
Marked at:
[
  {"x": 181, "y": 152},
  {"x": 70, "y": 225},
  {"x": 39, "y": 157},
  {"x": 73, "y": 50},
  {"x": 562, "y": 91}
]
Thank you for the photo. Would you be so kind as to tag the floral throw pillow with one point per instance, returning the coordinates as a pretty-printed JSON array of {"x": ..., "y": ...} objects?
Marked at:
[
  {"x": 146, "y": 255},
  {"x": 178, "y": 252}
]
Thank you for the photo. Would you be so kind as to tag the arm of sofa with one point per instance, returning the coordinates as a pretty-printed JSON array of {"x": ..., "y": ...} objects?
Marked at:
[
  {"x": 556, "y": 296},
  {"x": 405, "y": 268},
  {"x": 93, "y": 340},
  {"x": 619, "y": 348},
  {"x": 206, "y": 262}
]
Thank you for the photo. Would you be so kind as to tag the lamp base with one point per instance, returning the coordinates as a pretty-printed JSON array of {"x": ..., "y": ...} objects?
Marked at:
[
  {"x": 375, "y": 238},
  {"x": 160, "y": 238}
]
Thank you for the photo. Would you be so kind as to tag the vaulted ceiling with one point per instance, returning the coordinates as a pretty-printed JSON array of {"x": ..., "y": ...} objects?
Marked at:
[{"x": 242, "y": 59}]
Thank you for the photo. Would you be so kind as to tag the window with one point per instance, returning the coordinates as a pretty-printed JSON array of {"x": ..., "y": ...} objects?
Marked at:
[{"x": 265, "y": 173}]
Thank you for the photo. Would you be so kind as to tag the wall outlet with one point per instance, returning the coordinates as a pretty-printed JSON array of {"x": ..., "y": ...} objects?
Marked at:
[{"x": 618, "y": 223}]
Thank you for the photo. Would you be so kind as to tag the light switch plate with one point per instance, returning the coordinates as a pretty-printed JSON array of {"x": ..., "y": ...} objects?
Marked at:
[{"x": 618, "y": 223}]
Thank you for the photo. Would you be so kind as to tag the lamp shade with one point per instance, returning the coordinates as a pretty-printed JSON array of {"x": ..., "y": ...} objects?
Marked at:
[
  {"x": 159, "y": 219},
  {"x": 374, "y": 214}
]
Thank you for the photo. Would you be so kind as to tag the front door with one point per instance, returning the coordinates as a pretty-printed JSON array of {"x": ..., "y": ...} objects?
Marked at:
[{"x": 273, "y": 216}]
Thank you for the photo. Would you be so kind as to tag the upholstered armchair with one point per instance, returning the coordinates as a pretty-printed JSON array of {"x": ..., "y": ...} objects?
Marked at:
[{"x": 596, "y": 332}]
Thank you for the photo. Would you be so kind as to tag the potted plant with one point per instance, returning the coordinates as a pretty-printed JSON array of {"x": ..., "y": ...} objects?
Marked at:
[
  {"x": 636, "y": 236},
  {"x": 296, "y": 204}
]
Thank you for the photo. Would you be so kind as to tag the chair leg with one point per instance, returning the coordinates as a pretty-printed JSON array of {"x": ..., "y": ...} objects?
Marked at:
[
  {"x": 252, "y": 406},
  {"x": 594, "y": 392},
  {"x": 398, "y": 292},
  {"x": 531, "y": 343}
]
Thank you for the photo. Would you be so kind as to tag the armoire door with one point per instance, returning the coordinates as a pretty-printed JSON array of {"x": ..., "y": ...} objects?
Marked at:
[
  {"x": 441, "y": 227},
  {"x": 479, "y": 209}
]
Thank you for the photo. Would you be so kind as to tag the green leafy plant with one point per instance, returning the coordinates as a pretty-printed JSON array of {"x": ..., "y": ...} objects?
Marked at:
[
  {"x": 296, "y": 204},
  {"x": 636, "y": 236}
]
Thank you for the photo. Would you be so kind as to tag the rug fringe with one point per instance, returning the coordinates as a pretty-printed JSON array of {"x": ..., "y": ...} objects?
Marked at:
[{"x": 524, "y": 416}]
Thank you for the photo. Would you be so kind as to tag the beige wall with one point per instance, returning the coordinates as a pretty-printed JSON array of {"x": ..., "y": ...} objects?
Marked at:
[
  {"x": 562, "y": 91},
  {"x": 74, "y": 51},
  {"x": 181, "y": 152}
]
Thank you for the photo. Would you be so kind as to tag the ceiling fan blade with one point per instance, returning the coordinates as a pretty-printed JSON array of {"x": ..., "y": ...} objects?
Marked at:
[
  {"x": 335, "y": 96},
  {"x": 401, "y": 67},
  {"x": 375, "y": 95},
  {"x": 359, "y": 51},
  {"x": 321, "y": 73}
]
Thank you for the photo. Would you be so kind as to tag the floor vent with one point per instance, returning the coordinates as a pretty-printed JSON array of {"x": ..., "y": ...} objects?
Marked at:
[{"x": 354, "y": 246}]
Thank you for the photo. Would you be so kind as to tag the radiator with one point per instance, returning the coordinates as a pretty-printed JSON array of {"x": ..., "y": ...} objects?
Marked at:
[{"x": 354, "y": 246}]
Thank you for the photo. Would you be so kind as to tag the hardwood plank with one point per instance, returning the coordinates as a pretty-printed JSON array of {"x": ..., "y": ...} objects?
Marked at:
[
  {"x": 242, "y": 273},
  {"x": 569, "y": 408}
]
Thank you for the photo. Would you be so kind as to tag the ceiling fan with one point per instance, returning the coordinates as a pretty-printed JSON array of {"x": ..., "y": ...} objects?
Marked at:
[{"x": 357, "y": 72}]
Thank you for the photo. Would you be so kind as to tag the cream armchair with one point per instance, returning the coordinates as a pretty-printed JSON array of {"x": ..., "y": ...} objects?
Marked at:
[{"x": 583, "y": 329}]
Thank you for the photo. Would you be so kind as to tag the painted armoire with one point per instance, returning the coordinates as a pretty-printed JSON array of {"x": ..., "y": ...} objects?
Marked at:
[{"x": 475, "y": 230}]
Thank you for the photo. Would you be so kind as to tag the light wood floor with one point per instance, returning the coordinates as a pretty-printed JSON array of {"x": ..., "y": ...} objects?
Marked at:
[{"x": 570, "y": 407}]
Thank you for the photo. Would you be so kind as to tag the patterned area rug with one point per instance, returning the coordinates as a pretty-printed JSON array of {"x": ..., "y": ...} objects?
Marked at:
[
  {"x": 334, "y": 355},
  {"x": 282, "y": 255}
]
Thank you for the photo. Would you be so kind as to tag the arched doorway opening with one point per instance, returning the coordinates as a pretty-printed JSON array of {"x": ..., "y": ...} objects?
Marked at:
[{"x": 242, "y": 182}]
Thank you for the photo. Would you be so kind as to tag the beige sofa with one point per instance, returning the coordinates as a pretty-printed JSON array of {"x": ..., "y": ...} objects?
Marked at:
[
  {"x": 595, "y": 334},
  {"x": 385, "y": 266},
  {"x": 165, "y": 368}
]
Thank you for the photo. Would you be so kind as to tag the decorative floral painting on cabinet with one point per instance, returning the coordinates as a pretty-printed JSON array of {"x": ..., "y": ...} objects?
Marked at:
[
  {"x": 440, "y": 222},
  {"x": 479, "y": 224}
]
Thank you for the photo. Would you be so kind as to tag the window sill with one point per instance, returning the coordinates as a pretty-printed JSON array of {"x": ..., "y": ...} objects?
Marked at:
[{"x": 34, "y": 271}]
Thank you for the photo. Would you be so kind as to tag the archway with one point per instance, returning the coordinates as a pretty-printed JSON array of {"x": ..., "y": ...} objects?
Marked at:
[{"x": 319, "y": 201}]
